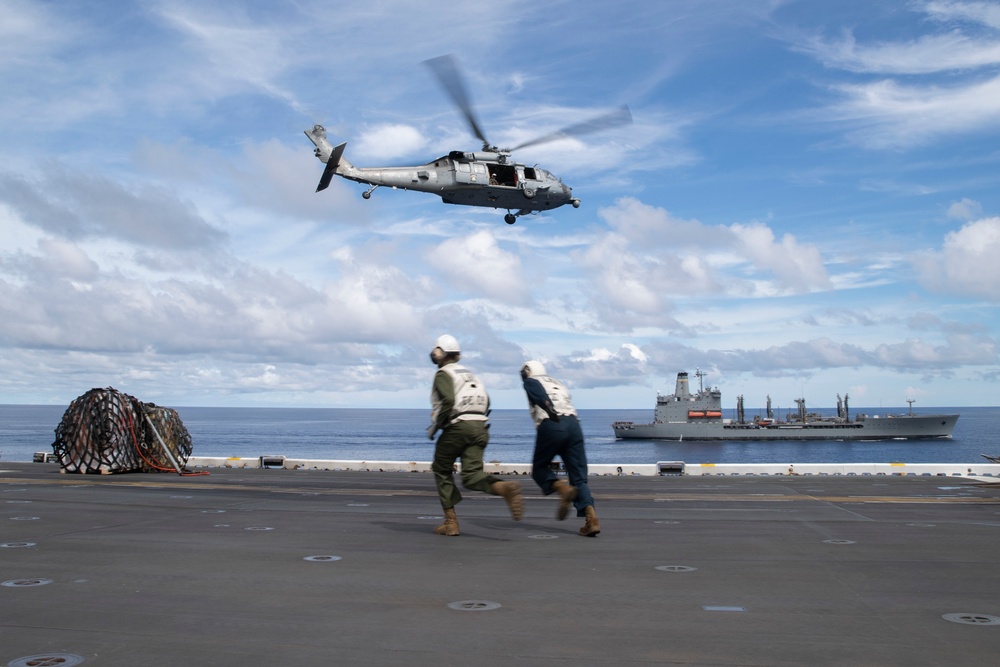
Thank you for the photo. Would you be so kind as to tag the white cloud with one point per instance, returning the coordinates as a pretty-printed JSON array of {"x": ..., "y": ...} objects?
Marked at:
[
  {"x": 61, "y": 257},
  {"x": 888, "y": 114},
  {"x": 160, "y": 226},
  {"x": 476, "y": 265},
  {"x": 650, "y": 257},
  {"x": 965, "y": 209},
  {"x": 32, "y": 32},
  {"x": 986, "y": 13},
  {"x": 924, "y": 55},
  {"x": 797, "y": 266},
  {"x": 234, "y": 52},
  {"x": 390, "y": 142},
  {"x": 904, "y": 109},
  {"x": 78, "y": 204},
  {"x": 967, "y": 262}
]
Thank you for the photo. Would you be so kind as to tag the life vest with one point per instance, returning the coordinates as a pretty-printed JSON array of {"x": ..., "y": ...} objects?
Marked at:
[
  {"x": 471, "y": 400},
  {"x": 559, "y": 396}
]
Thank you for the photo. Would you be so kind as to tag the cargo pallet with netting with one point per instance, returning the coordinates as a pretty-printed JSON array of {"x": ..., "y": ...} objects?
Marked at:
[{"x": 106, "y": 431}]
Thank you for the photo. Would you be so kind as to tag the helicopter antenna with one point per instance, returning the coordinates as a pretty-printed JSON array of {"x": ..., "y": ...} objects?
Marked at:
[{"x": 446, "y": 70}]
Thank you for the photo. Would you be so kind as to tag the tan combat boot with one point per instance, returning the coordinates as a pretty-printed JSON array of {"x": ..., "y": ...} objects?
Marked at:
[
  {"x": 567, "y": 494},
  {"x": 591, "y": 528},
  {"x": 511, "y": 492},
  {"x": 450, "y": 525}
]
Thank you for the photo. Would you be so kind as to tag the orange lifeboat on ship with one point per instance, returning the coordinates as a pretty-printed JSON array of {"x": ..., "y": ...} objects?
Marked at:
[{"x": 696, "y": 414}]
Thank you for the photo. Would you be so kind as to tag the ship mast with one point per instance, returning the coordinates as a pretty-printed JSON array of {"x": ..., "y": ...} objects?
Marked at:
[{"x": 698, "y": 373}]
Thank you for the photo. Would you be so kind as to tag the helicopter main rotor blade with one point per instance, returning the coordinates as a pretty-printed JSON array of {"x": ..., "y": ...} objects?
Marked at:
[
  {"x": 447, "y": 73},
  {"x": 620, "y": 116}
]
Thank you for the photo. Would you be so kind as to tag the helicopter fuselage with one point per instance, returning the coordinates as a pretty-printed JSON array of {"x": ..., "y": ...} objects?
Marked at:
[{"x": 469, "y": 179}]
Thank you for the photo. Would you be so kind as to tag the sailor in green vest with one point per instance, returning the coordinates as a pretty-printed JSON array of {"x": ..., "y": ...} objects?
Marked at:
[{"x": 460, "y": 410}]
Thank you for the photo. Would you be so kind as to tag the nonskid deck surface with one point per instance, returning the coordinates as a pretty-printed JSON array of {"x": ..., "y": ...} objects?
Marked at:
[{"x": 281, "y": 567}]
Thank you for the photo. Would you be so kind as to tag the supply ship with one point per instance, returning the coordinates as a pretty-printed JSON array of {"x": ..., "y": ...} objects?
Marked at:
[{"x": 686, "y": 416}]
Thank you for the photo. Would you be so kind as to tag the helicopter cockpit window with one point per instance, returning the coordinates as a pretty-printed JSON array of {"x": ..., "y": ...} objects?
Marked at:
[
  {"x": 464, "y": 167},
  {"x": 529, "y": 174}
]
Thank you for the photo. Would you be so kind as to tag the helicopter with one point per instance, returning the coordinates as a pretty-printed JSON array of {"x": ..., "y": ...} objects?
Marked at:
[{"x": 486, "y": 177}]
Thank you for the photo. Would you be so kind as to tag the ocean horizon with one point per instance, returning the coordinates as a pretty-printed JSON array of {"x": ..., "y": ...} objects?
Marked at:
[{"x": 388, "y": 434}]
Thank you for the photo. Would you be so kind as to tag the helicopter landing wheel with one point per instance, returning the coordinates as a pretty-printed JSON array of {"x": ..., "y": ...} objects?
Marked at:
[
  {"x": 366, "y": 195},
  {"x": 510, "y": 218}
]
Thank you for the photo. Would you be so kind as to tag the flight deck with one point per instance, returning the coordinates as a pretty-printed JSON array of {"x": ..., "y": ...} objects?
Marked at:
[{"x": 304, "y": 567}]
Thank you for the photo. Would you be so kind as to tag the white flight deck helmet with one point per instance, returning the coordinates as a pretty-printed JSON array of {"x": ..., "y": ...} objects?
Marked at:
[
  {"x": 532, "y": 369},
  {"x": 447, "y": 344},
  {"x": 444, "y": 346}
]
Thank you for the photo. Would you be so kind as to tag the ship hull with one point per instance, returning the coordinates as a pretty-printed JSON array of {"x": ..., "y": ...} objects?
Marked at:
[{"x": 903, "y": 427}]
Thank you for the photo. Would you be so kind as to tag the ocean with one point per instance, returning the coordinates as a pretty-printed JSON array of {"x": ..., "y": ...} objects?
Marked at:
[{"x": 400, "y": 435}]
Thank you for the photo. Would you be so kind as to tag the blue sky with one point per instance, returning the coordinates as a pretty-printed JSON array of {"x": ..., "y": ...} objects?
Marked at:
[{"x": 806, "y": 203}]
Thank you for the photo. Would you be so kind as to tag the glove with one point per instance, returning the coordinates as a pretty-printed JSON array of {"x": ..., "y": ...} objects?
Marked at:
[{"x": 431, "y": 430}]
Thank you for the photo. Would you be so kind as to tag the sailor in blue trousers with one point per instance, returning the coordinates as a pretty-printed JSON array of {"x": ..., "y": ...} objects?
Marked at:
[{"x": 558, "y": 433}]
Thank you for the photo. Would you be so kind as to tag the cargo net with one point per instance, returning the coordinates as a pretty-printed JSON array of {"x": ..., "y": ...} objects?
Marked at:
[{"x": 105, "y": 431}]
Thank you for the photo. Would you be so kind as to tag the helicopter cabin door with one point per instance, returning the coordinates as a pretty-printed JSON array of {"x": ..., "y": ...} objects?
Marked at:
[
  {"x": 504, "y": 174},
  {"x": 471, "y": 172}
]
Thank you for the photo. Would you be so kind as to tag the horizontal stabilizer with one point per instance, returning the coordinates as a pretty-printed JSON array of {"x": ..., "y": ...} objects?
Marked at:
[{"x": 331, "y": 167}]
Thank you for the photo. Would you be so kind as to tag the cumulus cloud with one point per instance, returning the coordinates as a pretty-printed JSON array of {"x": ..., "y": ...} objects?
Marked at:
[
  {"x": 965, "y": 209},
  {"x": 600, "y": 367},
  {"x": 920, "y": 355},
  {"x": 795, "y": 264},
  {"x": 476, "y": 265},
  {"x": 967, "y": 262},
  {"x": 649, "y": 258},
  {"x": 390, "y": 142}
]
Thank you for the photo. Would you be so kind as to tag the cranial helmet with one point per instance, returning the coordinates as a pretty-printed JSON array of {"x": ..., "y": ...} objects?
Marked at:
[
  {"x": 447, "y": 344},
  {"x": 532, "y": 369}
]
